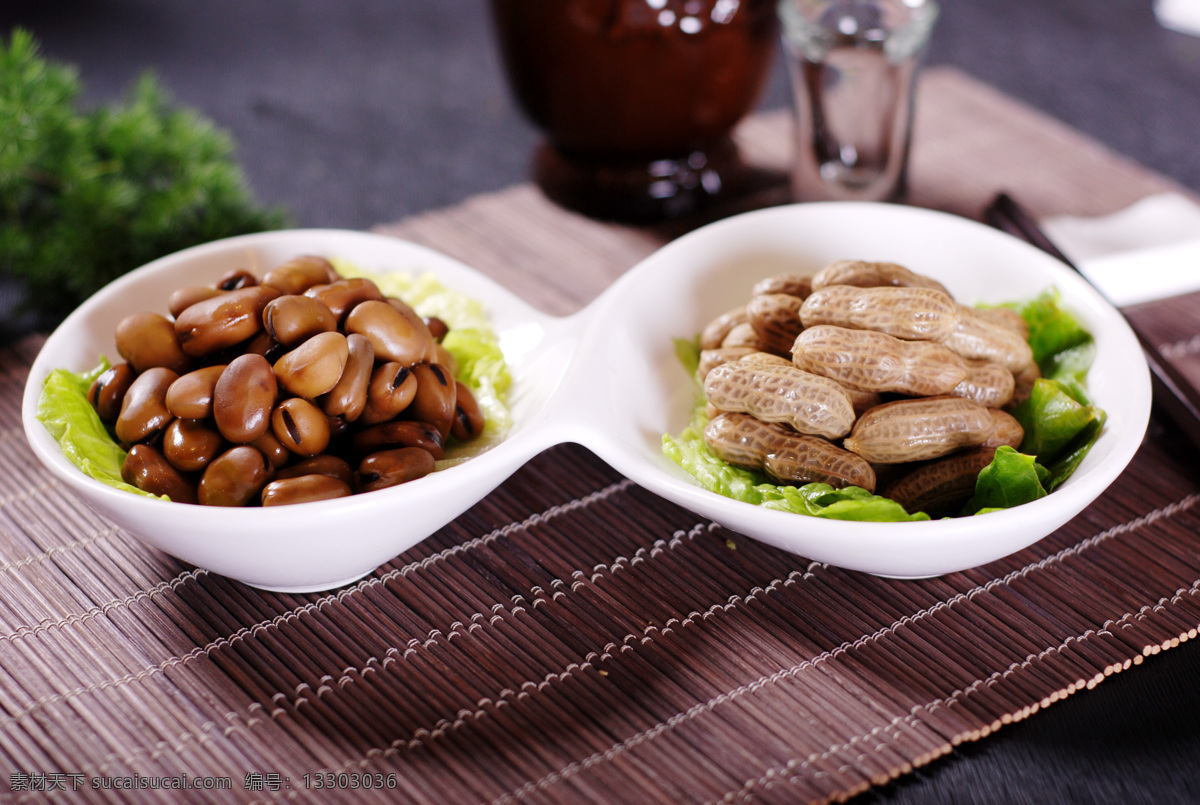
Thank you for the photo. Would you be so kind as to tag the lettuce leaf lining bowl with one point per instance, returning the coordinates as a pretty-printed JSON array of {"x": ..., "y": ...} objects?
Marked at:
[{"x": 608, "y": 378}]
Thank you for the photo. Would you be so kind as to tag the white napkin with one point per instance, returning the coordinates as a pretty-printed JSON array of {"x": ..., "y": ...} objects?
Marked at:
[
  {"x": 1150, "y": 250},
  {"x": 1179, "y": 15}
]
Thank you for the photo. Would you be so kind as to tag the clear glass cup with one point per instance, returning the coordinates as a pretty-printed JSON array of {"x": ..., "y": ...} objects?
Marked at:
[{"x": 853, "y": 66}]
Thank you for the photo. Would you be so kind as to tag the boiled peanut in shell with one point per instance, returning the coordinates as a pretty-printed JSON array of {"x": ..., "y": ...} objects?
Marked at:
[
  {"x": 792, "y": 284},
  {"x": 743, "y": 335},
  {"x": 1006, "y": 430},
  {"x": 871, "y": 361},
  {"x": 712, "y": 358},
  {"x": 807, "y": 402},
  {"x": 940, "y": 487},
  {"x": 914, "y": 314},
  {"x": 917, "y": 429},
  {"x": 776, "y": 321},
  {"x": 987, "y": 383},
  {"x": 981, "y": 336},
  {"x": 866, "y": 274},
  {"x": 787, "y": 456},
  {"x": 715, "y": 332}
]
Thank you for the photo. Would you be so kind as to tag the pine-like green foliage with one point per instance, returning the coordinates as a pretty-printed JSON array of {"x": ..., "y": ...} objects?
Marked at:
[{"x": 86, "y": 197}]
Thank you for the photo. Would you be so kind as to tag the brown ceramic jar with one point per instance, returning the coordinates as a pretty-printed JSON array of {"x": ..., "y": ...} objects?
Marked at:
[{"x": 637, "y": 98}]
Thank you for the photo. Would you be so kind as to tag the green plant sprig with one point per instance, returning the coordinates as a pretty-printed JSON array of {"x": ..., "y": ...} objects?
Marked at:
[{"x": 88, "y": 196}]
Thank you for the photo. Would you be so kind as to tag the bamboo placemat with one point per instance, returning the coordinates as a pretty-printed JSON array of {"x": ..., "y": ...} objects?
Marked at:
[{"x": 573, "y": 638}]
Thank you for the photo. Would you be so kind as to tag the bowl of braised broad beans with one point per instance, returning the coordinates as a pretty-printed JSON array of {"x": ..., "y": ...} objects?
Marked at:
[{"x": 275, "y": 407}]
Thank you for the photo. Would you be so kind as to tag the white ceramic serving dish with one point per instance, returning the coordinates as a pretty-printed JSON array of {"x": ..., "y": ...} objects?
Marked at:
[{"x": 607, "y": 377}]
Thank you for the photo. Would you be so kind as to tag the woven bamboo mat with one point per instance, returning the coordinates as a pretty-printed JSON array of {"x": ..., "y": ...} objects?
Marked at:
[{"x": 573, "y": 638}]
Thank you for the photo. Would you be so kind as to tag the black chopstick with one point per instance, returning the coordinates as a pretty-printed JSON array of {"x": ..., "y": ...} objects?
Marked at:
[{"x": 1174, "y": 395}]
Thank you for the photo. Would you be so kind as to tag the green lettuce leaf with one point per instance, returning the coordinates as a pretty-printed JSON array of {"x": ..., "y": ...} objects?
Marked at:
[
  {"x": 1011, "y": 479},
  {"x": 65, "y": 411},
  {"x": 1053, "y": 418}
]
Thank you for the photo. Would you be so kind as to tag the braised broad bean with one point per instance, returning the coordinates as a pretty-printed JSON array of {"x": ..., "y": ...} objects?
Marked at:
[
  {"x": 282, "y": 380},
  {"x": 144, "y": 411},
  {"x": 396, "y": 335},
  {"x": 468, "y": 420},
  {"x": 191, "y": 444},
  {"x": 183, "y": 298},
  {"x": 392, "y": 388},
  {"x": 300, "y": 426},
  {"x": 235, "y": 279},
  {"x": 293, "y": 318},
  {"x": 191, "y": 395},
  {"x": 222, "y": 321},
  {"x": 108, "y": 390},
  {"x": 400, "y": 433},
  {"x": 315, "y": 366},
  {"x": 147, "y": 469},
  {"x": 348, "y": 397},
  {"x": 234, "y": 478},
  {"x": 304, "y": 489},
  {"x": 341, "y": 296},
  {"x": 324, "y": 464},
  {"x": 393, "y": 467},
  {"x": 436, "y": 398},
  {"x": 300, "y": 273},
  {"x": 243, "y": 398},
  {"x": 146, "y": 340}
]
